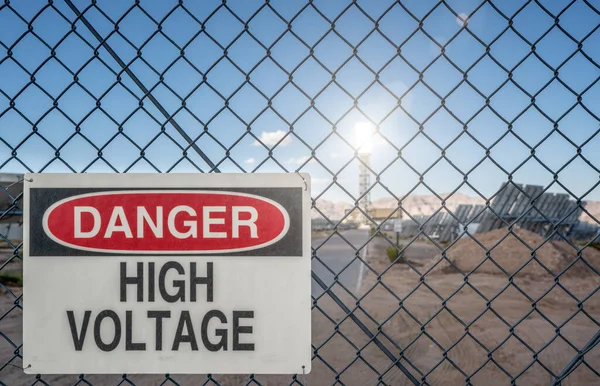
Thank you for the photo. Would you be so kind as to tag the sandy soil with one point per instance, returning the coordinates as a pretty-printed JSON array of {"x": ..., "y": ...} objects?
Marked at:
[
  {"x": 522, "y": 252},
  {"x": 440, "y": 342},
  {"x": 466, "y": 330}
]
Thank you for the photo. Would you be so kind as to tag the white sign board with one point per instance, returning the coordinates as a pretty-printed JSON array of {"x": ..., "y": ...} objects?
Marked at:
[
  {"x": 398, "y": 226},
  {"x": 175, "y": 273}
]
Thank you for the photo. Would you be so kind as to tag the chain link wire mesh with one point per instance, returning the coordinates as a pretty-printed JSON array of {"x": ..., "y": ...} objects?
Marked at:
[{"x": 464, "y": 97}]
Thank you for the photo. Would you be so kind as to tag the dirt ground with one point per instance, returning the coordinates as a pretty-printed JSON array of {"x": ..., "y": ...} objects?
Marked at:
[
  {"x": 461, "y": 339},
  {"x": 451, "y": 342}
]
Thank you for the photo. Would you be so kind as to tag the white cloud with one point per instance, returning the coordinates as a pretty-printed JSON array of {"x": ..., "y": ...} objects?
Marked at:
[
  {"x": 462, "y": 19},
  {"x": 270, "y": 138},
  {"x": 299, "y": 160},
  {"x": 250, "y": 160}
]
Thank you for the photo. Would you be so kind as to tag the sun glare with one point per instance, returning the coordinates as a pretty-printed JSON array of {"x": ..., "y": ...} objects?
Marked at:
[{"x": 364, "y": 136}]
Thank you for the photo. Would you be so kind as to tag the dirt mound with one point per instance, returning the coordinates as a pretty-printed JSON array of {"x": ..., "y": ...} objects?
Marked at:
[{"x": 511, "y": 251}]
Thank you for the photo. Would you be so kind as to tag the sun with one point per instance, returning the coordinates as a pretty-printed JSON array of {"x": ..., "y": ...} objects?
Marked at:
[{"x": 364, "y": 136}]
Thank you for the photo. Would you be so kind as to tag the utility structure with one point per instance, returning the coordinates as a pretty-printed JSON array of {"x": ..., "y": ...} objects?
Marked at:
[
  {"x": 531, "y": 207},
  {"x": 364, "y": 181},
  {"x": 364, "y": 134}
]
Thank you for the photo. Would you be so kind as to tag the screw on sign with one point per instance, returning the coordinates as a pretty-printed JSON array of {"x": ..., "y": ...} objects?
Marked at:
[{"x": 167, "y": 273}]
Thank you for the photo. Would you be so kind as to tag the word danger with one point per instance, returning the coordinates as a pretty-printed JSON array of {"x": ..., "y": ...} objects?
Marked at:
[
  {"x": 158, "y": 222},
  {"x": 213, "y": 328},
  {"x": 210, "y": 218}
]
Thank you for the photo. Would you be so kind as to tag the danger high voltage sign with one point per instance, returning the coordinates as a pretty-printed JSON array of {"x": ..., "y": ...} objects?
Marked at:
[{"x": 150, "y": 273}]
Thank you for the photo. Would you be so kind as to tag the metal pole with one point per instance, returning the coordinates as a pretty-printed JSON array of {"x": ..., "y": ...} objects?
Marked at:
[
  {"x": 141, "y": 86},
  {"x": 365, "y": 329},
  {"x": 571, "y": 366}
]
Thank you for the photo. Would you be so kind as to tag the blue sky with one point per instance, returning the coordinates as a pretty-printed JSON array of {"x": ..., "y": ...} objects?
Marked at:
[{"x": 222, "y": 105}]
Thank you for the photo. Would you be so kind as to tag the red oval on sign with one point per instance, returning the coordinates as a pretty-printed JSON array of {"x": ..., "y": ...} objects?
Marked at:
[{"x": 166, "y": 222}]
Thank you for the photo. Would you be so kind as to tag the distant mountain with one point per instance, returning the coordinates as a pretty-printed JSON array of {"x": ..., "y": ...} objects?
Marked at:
[
  {"x": 425, "y": 205},
  {"x": 331, "y": 210},
  {"x": 414, "y": 204}
]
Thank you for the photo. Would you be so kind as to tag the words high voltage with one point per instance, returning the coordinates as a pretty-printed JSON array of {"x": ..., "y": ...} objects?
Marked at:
[{"x": 172, "y": 329}]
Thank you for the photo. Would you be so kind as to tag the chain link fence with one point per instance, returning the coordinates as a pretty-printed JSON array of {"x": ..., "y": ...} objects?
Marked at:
[{"x": 477, "y": 112}]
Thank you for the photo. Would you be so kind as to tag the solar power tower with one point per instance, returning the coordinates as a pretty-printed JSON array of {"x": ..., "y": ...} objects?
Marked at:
[
  {"x": 364, "y": 134},
  {"x": 364, "y": 181}
]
